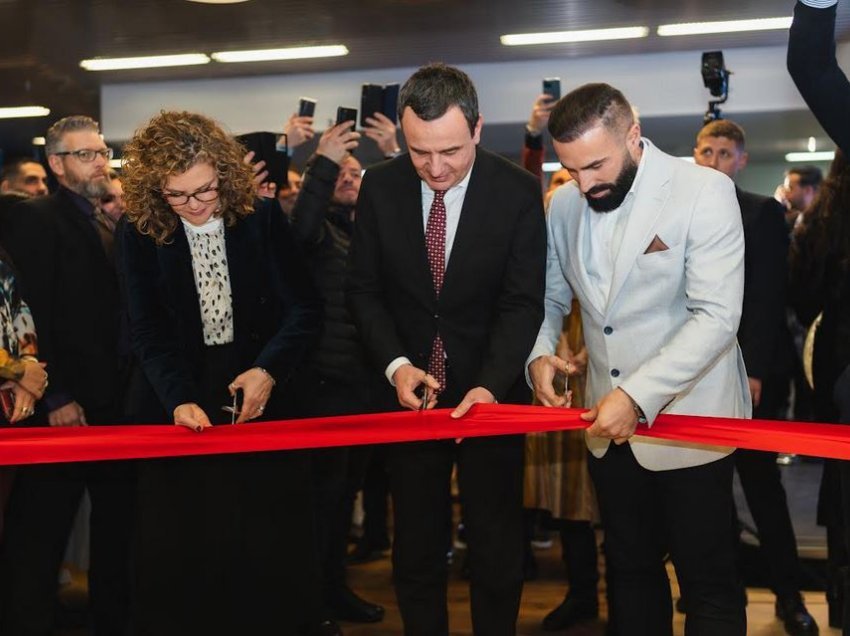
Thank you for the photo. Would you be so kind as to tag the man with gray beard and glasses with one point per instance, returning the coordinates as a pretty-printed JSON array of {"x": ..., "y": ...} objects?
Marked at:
[{"x": 62, "y": 247}]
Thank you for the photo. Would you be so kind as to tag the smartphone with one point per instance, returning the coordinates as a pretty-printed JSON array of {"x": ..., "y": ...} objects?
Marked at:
[
  {"x": 552, "y": 87},
  {"x": 371, "y": 101},
  {"x": 344, "y": 114},
  {"x": 390, "y": 106},
  {"x": 306, "y": 107},
  {"x": 7, "y": 402},
  {"x": 264, "y": 146}
]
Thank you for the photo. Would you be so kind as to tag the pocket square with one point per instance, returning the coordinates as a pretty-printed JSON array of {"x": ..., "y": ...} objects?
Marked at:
[{"x": 657, "y": 245}]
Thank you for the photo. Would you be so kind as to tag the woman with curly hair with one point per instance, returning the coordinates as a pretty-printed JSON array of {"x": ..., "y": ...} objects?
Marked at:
[{"x": 220, "y": 307}]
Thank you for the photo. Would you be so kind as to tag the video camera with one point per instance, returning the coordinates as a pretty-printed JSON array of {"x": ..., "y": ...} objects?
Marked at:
[{"x": 715, "y": 77}]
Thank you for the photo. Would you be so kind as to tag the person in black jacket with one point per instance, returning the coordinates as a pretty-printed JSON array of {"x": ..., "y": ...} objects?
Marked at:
[
  {"x": 62, "y": 249},
  {"x": 221, "y": 307},
  {"x": 337, "y": 378},
  {"x": 767, "y": 349}
]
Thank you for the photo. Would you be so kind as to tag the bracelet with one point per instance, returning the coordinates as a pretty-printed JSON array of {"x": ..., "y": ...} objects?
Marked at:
[
  {"x": 274, "y": 382},
  {"x": 29, "y": 358}
]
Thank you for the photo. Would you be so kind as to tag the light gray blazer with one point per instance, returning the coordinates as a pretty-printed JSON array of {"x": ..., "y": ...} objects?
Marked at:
[{"x": 667, "y": 334}]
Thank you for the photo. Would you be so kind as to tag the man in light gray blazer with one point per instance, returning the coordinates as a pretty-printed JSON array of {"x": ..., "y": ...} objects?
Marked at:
[{"x": 653, "y": 249}]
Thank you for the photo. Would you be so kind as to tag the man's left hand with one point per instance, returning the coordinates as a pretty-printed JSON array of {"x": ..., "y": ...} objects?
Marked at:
[
  {"x": 265, "y": 189},
  {"x": 478, "y": 395},
  {"x": 755, "y": 390},
  {"x": 613, "y": 417}
]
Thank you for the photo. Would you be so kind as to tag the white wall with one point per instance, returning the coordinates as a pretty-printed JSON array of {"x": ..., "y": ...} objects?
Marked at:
[{"x": 657, "y": 83}]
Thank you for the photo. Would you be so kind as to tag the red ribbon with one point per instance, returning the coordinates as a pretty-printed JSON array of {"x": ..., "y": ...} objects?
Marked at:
[{"x": 51, "y": 445}]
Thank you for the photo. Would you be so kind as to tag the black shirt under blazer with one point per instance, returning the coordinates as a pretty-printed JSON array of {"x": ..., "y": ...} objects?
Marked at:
[
  {"x": 491, "y": 304},
  {"x": 276, "y": 312},
  {"x": 72, "y": 291}
]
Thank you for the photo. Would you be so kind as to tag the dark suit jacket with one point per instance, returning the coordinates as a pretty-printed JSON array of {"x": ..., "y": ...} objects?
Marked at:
[
  {"x": 71, "y": 288},
  {"x": 815, "y": 71},
  {"x": 763, "y": 332},
  {"x": 491, "y": 304},
  {"x": 276, "y": 313}
]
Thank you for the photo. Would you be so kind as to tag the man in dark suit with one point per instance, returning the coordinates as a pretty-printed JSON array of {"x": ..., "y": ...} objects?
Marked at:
[
  {"x": 767, "y": 348},
  {"x": 446, "y": 288},
  {"x": 62, "y": 247}
]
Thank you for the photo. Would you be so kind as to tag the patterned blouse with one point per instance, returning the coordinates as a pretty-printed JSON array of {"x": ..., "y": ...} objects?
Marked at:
[
  {"x": 212, "y": 279},
  {"x": 17, "y": 329}
]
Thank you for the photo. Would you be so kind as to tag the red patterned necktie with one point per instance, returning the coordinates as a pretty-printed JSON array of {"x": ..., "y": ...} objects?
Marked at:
[{"x": 435, "y": 241}]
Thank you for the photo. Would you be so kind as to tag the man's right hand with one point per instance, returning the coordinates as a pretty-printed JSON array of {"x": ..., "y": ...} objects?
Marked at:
[
  {"x": 542, "y": 373},
  {"x": 338, "y": 141},
  {"x": 191, "y": 416},
  {"x": 298, "y": 129},
  {"x": 407, "y": 379},
  {"x": 71, "y": 414}
]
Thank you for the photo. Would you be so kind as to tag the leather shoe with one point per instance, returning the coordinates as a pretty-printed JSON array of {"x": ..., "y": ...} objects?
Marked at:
[
  {"x": 795, "y": 616},
  {"x": 347, "y": 606},
  {"x": 570, "y": 612},
  {"x": 324, "y": 628}
]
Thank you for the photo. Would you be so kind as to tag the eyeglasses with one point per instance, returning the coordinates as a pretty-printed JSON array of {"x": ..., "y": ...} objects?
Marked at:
[
  {"x": 86, "y": 155},
  {"x": 201, "y": 196}
]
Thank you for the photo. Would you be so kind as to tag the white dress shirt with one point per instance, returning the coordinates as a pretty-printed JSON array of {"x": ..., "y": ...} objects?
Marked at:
[
  {"x": 603, "y": 238},
  {"x": 453, "y": 200}
]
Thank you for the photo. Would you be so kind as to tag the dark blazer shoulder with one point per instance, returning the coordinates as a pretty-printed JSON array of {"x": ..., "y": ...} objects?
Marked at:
[{"x": 756, "y": 207}]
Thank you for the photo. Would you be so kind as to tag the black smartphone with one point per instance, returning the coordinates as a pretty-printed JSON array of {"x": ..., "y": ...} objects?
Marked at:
[
  {"x": 552, "y": 87},
  {"x": 306, "y": 107},
  {"x": 371, "y": 102},
  {"x": 264, "y": 147},
  {"x": 344, "y": 114},
  {"x": 390, "y": 106}
]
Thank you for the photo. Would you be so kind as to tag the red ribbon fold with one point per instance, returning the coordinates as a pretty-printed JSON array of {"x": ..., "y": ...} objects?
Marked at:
[{"x": 92, "y": 443}]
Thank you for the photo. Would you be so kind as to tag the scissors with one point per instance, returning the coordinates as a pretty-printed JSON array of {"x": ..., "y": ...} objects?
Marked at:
[
  {"x": 234, "y": 409},
  {"x": 426, "y": 396}
]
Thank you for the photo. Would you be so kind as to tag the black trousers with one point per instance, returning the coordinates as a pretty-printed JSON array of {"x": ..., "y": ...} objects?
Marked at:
[
  {"x": 42, "y": 508},
  {"x": 687, "y": 514},
  {"x": 490, "y": 479},
  {"x": 766, "y": 498}
]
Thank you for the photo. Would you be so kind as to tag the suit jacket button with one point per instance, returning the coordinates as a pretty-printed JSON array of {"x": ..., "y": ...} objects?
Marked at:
[
  {"x": 262, "y": 300},
  {"x": 615, "y": 373},
  {"x": 255, "y": 336},
  {"x": 608, "y": 331}
]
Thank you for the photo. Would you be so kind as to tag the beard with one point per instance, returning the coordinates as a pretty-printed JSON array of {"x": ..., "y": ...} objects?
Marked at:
[
  {"x": 617, "y": 191},
  {"x": 94, "y": 188}
]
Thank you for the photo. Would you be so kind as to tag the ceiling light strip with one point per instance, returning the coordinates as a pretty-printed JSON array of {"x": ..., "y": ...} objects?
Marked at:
[
  {"x": 13, "y": 112},
  {"x": 730, "y": 26},
  {"x": 292, "y": 53},
  {"x": 824, "y": 155},
  {"x": 147, "y": 61},
  {"x": 589, "y": 35}
]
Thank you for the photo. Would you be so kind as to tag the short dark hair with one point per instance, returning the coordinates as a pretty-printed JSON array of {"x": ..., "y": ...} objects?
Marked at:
[
  {"x": 435, "y": 88},
  {"x": 724, "y": 128},
  {"x": 808, "y": 175},
  {"x": 12, "y": 169},
  {"x": 585, "y": 107}
]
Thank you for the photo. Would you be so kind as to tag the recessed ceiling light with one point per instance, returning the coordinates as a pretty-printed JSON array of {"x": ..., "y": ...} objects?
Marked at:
[
  {"x": 292, "y": 53},
  {"x": 147, "y": 61},
  {"x": 824, "y": 155},
  {"x": 589, "y": 35},
  {"x": 23, "y": 111},
  {"x": 39, "y": 141},
  {"x": 552, "y": 166},
  {"x": 729, "y": 26}
]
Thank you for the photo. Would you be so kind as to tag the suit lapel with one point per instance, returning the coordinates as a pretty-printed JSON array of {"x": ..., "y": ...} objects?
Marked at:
[
  {"x": 577, "y": 248},
  {"x": 473, "y": 215},
  {"x": 650, "y": 197},
  {"x": 410, "y": 211},
  {"x": 176, "y": 264}
]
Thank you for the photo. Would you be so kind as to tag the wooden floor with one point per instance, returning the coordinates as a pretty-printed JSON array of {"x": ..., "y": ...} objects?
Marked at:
[{"x": 372, "y": 581}]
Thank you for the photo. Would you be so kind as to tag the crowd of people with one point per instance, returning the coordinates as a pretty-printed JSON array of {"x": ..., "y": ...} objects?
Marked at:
[{"x": 189, "y": 289}]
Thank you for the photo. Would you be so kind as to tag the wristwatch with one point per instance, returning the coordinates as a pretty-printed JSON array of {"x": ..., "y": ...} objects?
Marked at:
[{"x": 641, "y": 418}]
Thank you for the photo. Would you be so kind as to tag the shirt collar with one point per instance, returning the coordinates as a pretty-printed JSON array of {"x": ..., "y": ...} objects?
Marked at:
[
  {"x": 212, "y": 226},
  {"x": 427, "y": 190}
]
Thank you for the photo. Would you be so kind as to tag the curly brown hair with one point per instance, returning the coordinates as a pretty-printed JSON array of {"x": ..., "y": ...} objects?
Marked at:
[{"x": 170, "y": 144}]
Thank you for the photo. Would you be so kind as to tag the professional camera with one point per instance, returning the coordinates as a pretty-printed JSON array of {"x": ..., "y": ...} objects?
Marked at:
[{"x": 716, "y": 80}]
